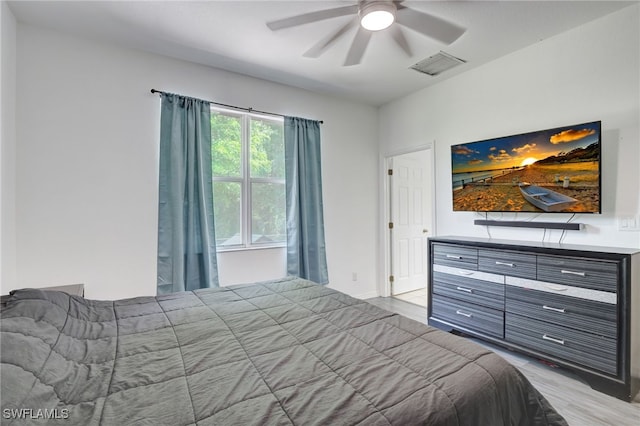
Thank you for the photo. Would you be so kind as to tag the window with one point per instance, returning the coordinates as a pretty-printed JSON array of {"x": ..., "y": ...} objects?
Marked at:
[{"x": 247, "y": 152}]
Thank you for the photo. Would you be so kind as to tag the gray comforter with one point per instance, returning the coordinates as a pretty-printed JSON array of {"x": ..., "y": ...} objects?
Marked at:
[{"x": 281, "y": 352}]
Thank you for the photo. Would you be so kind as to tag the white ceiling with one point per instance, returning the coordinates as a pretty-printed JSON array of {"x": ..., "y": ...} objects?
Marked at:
[{"x": 232, "y": 35}]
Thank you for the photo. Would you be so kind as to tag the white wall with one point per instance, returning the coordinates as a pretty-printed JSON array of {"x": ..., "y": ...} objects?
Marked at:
[
  {"x": 589, "y": 73},
  {"x": 7, "y": 147},
  {"x": 87, "y": 155}
]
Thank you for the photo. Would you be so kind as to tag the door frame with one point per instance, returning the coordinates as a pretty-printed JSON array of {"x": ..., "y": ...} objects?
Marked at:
[{"x": 384, "y": 286}]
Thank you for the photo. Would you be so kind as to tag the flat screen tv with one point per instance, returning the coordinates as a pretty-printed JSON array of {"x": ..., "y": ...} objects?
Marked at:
[{"x": 550, "y": 171}]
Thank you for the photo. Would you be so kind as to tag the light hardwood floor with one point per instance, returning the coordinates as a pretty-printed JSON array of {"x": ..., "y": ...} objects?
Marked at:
[
  {"x": 569, "y": 395},
  {"x": 417, "y": 297}
]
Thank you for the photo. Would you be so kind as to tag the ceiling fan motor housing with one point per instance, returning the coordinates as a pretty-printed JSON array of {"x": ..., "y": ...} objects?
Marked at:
[{"x": 376, "y": 15}]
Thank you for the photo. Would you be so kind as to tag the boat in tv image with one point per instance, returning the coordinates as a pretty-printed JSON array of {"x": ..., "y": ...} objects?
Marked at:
[
  {"x": 554, "y": 171},
  {"x": 546, "y": 199}
]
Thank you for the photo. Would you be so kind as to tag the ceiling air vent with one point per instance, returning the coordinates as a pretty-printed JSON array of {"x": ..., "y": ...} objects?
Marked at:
[{"x": 436, "y": 64}]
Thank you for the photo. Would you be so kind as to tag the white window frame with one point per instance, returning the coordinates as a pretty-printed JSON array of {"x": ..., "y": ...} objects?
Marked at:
[{"x": 245, "y": 181}]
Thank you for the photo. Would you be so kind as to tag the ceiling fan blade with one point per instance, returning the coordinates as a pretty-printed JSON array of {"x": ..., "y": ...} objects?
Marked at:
[
  {"x": 307, "y": 18},
  {"x": 429, "y": 25},
  {"x": 359, "y": 45},
  {"x": 398, "y": 37},
  {"x": 320, "y": 47}
]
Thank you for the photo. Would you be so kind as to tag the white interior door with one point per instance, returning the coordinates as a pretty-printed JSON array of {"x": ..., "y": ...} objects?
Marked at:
[{"x": 410, "y": 218}]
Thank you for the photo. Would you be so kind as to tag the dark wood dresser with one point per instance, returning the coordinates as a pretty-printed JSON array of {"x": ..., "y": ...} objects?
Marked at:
[{"x": 574, "y": 306}]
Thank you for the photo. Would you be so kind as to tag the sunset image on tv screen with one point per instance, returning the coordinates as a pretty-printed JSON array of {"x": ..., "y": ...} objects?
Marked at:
[{"x": 555, "y": 170}]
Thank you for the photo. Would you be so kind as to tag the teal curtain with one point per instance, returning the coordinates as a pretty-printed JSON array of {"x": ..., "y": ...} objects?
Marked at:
[
  {"x": 186, "y": 236},
  {"x": 306, "y": 257}
]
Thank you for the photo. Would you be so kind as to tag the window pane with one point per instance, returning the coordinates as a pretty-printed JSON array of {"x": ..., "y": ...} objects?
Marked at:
[
  {"x": 226, "y": 144},
  {"x": 268, "y": 212},
  {"x": 227, "y": 212},
  {"x": 267, "y": 149}
]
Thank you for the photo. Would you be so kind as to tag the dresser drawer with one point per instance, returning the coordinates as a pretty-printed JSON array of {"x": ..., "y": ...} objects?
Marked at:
[
  {"x": 588, "y": 273},
  {"x": 508, "y": 263},
  {"x": 586, "y": 349},
  {"x": 471, "y": 286},
  {"x": 467, "y": 315},
  {"x": 456, "y": 256},
  {"x": 591, "y": 316}
]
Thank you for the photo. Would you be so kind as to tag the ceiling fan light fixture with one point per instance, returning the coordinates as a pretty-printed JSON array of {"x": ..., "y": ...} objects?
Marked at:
[{"x": 377, "y": 15}]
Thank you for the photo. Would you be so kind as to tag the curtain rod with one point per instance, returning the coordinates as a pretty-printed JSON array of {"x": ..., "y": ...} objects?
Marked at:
[{"x": 235, "y": 107}]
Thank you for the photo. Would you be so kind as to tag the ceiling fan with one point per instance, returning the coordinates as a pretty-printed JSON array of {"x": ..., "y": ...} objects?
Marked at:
[{"x": 373, "y": 15}]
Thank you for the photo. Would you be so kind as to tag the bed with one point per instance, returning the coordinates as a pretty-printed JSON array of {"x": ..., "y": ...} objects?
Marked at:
[{"x": 279, "y": 352}]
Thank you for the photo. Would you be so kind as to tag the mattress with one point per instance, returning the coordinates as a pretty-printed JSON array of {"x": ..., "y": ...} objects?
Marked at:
[{"x": 281, "y": 352}]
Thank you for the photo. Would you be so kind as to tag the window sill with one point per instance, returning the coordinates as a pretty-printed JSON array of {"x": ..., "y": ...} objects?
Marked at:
[{"x": 250, "y": 248}]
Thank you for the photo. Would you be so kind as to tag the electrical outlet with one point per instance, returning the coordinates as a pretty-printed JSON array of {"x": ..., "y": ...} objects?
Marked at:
[
  {"x": 354, "y": 276},
  {"x": 629, "y": 223}
]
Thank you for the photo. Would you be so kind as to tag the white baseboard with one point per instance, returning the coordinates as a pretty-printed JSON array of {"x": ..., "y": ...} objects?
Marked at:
[{"x": 367, "y": 295}]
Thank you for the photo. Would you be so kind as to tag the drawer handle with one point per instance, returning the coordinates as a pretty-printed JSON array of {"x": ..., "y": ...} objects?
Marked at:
[
  {"x": 564, "y": 271},
  {"x": 451, "y": 256},
  {"x": 464, "y": 314},
  {"x": 465, "y": 272},
  {"x": 556, "y": 287},
  {"x": 551, "y": 308},
  {"x": 553, "y": 339},
  {"x": 466, "y": 290},
  {"x": 511, "y": 265}
]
